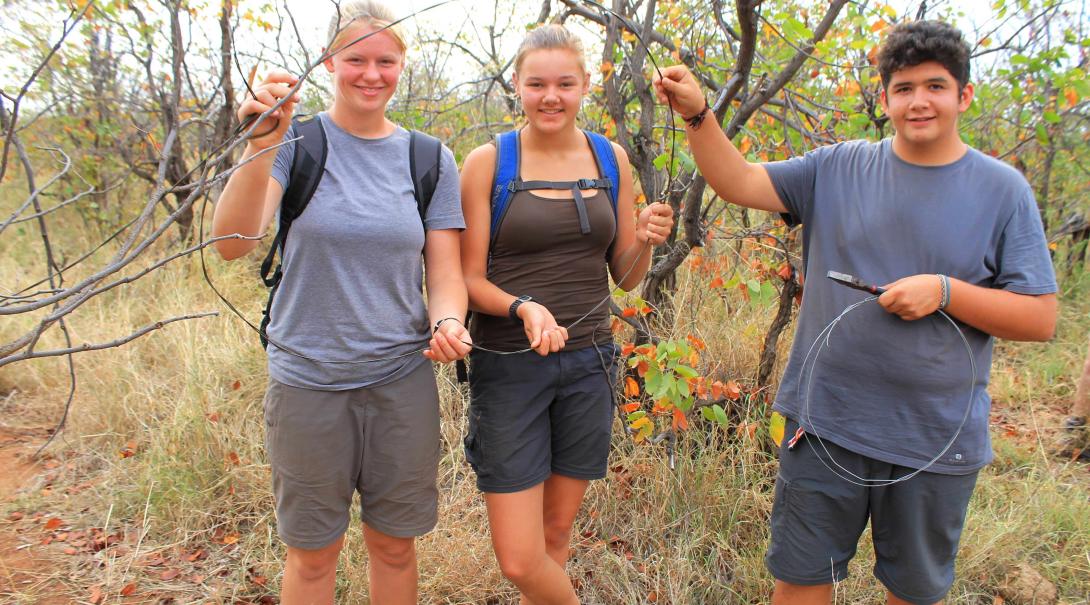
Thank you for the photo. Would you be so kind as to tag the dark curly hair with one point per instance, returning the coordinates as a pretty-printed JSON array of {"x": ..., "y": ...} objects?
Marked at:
[{"x": 915, "y": 42}]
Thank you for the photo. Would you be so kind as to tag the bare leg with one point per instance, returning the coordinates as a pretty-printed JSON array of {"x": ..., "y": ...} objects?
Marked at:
[
  {"x": 309, "y": 575},
  {"x": 563, "y": 498},
  {"x": 794, "y": 594},
  {"x": 392, "y": 572},
  {"x": 518, "y": 537}
]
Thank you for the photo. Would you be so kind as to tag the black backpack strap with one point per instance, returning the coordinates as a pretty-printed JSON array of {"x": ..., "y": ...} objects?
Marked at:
[
  {"x": 425, "y": 157},
  {"x": 307, "y": 167}
]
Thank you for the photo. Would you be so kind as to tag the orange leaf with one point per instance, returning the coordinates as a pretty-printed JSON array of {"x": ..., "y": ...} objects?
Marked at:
[
  {"x": 630, "y": 407},
  {"x": 716, "y": 283},
  {"x": 96, "y": 595},
  {"x": 629, "y": 312},
  {"x": 680, "y": 421},
  {"x": 53, "y": 523},
  {"x": 733, "y": 390},
  {"x": 785, "y": 271},
  {"x": 230, "y": 539},
  {"x": 645, "y": 309},
  {"x": 627, "y": 349},
  {"x": 236, "y": 385},
  {"x": 642, "y": 367},
  {"x": 129, "y": 589},
  {"x": 631, "y": 387},
  {"x": 232, "y": 457},
  {"x": 1071, "y": 96},
  {"x": 717, "y": 389},
  {"x": 745, "y": 145},
  {"x": 879, "y": 25}
]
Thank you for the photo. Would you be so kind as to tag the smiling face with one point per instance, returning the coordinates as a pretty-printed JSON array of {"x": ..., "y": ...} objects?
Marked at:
[
  {"x": 551, "y": 83},
  {"x": 365, "y": 74},
  {"x": 923, "y": 102}
]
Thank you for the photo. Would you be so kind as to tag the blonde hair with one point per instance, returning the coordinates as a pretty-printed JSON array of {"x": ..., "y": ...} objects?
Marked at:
[
  {"x": 369, "y": 12},
  {"x": 549, "y": 37}
]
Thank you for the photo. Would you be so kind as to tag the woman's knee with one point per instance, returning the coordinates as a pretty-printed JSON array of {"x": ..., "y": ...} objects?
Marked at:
[
  {"x": 314, "y": 564},
  {"x": 557, "y": 533},
  {"x": 397, "y": 553},
  {"x": 519, "y": 565}
]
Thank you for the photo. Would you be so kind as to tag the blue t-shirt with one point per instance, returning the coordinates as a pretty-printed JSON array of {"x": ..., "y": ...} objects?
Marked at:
[
  {"x": 891, "y": 389},
  {"x": 352, "y": 264}
]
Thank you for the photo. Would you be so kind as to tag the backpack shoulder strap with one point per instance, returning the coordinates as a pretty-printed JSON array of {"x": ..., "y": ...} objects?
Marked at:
[
  {"x": 506, "y": 174},
  {"x": 425, "y": 158},
  {"x": 307, "y": 167},
  {"x": 608, "y": 167}
]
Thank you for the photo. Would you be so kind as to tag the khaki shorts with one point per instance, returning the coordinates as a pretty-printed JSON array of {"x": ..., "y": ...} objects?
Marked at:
[{"x": 381, "y": 441}]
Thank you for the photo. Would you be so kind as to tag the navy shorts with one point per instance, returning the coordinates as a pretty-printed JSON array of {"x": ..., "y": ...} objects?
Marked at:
[
  {"x": 532, "y": 416},
  {"x": 817, "y": 518}
]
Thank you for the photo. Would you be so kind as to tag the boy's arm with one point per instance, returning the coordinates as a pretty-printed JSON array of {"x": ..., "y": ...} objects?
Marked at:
[
  {"x": 1001, "y": 313},
  {"x": 730, "y": 175}
]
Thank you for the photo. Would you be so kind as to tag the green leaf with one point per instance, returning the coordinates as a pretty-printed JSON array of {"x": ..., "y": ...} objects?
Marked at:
[
  {"x": 708, "y": 414},
  {"x": 1052, "y": 117},
  {"x": 686, "y": 371},
  {"x": 720, "y": 415},
  {"x": 793, "y": 28},
  {"x": 661, "y": 160},
  {"x": 634, "y": 416}
]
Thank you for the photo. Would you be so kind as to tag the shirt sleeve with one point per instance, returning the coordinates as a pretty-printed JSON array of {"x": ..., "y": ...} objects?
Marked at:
[
  {"x": 794, "y": 181},
  {"x": 445, "y": 209},
  {"x": 281, "y": 170},
  {"x": 1024, "y": 263}
]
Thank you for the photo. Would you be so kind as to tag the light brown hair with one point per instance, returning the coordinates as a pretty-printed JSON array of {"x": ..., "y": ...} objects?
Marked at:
[
  {"x": 369, "y": 12},
  {"x": 548, "y": 37}
]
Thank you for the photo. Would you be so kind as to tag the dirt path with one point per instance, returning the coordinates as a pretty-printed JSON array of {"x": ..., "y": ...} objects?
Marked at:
[{"x": 24, "y": 578}]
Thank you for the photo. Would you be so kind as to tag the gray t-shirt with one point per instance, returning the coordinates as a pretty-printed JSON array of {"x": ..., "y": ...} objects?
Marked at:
[
  {"x": 352, "y": 264},
  {"x": 890, "y": 389}
]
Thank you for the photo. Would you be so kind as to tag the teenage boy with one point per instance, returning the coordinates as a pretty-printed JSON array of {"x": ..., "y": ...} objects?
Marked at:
[{"x": 942, "y": 226}]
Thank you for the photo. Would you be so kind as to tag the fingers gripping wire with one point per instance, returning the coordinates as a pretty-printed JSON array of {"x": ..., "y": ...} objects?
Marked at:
[
  {"x": 250, "y": 123},
  {"x": 813, "y": 354}
]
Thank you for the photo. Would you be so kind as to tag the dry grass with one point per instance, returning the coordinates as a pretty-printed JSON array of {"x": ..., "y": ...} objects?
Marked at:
[{"x": 187, "y": 401}]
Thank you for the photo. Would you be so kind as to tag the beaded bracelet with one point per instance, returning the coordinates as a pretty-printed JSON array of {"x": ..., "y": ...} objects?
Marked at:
[{"x": 944, "y": 283}]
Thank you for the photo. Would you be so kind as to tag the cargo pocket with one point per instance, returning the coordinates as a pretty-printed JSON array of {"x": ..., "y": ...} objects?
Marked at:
[{"x": 472, "y": 441}]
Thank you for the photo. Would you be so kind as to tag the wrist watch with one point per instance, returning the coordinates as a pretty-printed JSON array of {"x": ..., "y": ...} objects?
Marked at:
[{"x": 512, "y": 312}]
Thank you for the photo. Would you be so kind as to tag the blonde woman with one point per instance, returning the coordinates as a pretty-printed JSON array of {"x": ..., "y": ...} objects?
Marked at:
[
  {"x": 351, "y": 292},
  {"x": 549, "y": 214}
]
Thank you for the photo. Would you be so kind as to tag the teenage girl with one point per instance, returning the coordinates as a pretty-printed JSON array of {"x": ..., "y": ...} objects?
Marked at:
[
  {"x": 539, "y": 425},
  {"x": 351, "y": 292}
]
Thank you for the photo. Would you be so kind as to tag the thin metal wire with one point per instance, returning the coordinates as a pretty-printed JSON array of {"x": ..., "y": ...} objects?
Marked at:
[{"x": 810, "y": 361}]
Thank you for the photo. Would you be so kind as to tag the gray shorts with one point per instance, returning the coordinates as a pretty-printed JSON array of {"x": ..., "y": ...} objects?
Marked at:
[
  {"x": 532, "y": 416},
  {"x": 380, "y": 441},
  {"x": 817, "y": 519}
]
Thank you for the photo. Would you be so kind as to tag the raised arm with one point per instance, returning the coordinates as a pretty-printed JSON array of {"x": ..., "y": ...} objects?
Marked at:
[
  {"x": 251, "y": 196},
  {"x": 728, "y": 173}
]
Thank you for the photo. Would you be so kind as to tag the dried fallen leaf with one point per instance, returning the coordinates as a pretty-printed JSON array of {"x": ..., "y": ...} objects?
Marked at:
[
  {"x": 15, "y": 516},
  {"x": 53, "y": 523},
  {"x": 232, "y": 457},
  {"x": 96, "y": 595},
  {"x": 230, "y": 539},
  {"x": 169, "y": 574},
  {"x": 129, "y": 589}
]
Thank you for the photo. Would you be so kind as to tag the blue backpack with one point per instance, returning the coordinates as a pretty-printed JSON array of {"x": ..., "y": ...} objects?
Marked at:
[{"x": 507, "y": 180}]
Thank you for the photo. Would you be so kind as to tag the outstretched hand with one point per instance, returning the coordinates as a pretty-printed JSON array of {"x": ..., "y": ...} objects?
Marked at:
[
  {"x": 913, "y": 297},
  {"x": 541, "y": 330},
  {"x": 277, "y": 85},
  {"x": 450, "y": 342},
  {"x": 655, "y": 223},
  {"x": 678, "y": 87}
]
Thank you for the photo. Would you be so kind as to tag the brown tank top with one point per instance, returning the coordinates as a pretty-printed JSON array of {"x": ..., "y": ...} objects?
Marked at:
[{"x": 540, "y": 251}]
